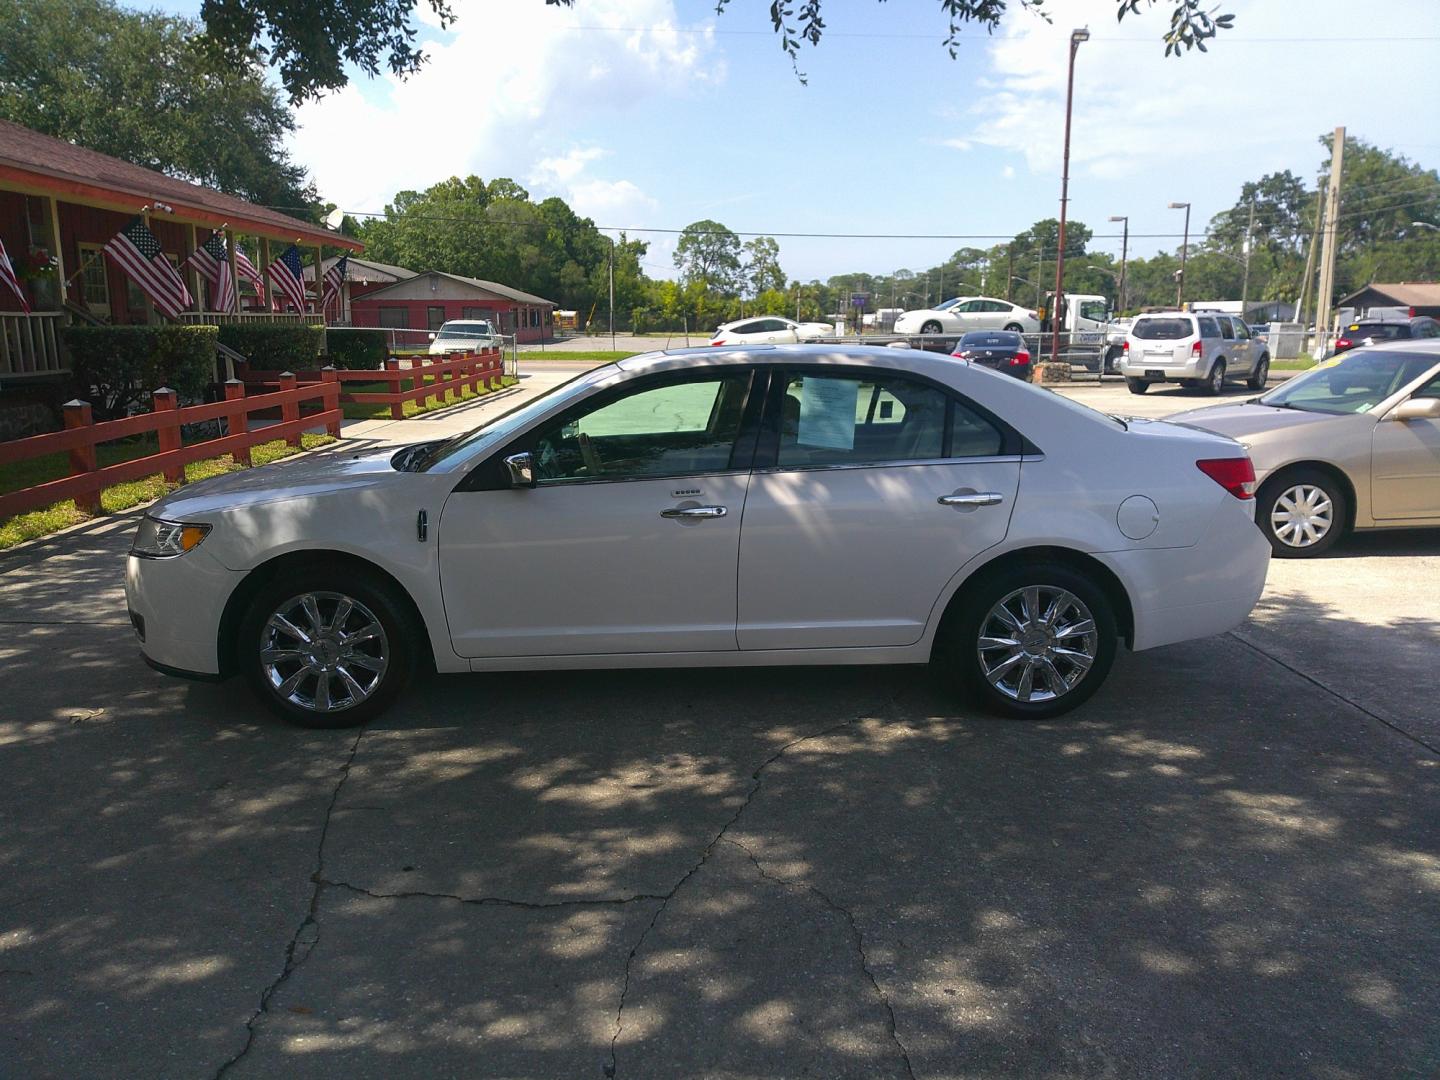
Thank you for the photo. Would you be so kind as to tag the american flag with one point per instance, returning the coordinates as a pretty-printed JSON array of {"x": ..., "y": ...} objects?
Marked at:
[
  {"x": 7, "y": 275},
  {"x": 285, "y": 273},
  {"x": 334, "y": 278},
  {"x": 211, "y": 260},
  {"x": 137, "y": 252},
  {"x": 247, "y": 269}
]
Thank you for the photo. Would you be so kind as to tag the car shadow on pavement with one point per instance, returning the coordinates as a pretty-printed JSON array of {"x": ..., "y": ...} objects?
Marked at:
[{"x": 1214, "y": 867}]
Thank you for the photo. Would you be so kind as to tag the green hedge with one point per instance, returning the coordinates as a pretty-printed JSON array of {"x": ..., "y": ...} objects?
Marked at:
[
  {"x": 275, "y": 346},
  {"x": 357, "y": 349},
  {"x": 116, "y": 367}
]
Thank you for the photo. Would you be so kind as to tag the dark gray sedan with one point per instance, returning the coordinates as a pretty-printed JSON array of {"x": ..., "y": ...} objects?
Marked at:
[{"x": 1003, "y": 350}]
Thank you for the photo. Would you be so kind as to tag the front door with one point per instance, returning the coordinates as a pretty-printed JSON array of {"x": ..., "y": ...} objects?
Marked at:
[
  {"x": 627, "y": 543},
  {"x": 1405, "y": 465},
  {"x": 879, "y": 489}
]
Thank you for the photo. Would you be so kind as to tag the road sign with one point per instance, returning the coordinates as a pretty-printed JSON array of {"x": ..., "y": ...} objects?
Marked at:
[{"x": 859, "y": 299}]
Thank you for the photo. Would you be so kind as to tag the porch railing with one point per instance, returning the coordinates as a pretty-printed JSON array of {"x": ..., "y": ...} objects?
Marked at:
[
  {"x": 217, "y": 318},
  {"x": 31, "y": 344}
]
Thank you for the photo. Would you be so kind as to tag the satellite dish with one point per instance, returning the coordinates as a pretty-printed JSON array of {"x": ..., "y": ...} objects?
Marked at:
[{"x": 335, "y": 218}]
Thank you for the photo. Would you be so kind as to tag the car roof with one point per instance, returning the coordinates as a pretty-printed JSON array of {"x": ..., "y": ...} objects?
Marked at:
[{"x": 1407, "y": 345}]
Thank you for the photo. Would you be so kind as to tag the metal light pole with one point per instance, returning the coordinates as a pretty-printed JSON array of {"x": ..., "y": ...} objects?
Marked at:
[
  {"x": 1245, "y": 281},
  {"x": 1124, "y": 252},
  {"x": 1076, "y": 37},
  {"x": 1184, "y": 250}
]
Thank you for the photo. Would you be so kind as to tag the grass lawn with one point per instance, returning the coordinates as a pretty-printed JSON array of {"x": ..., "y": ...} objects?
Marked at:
[
  {"x": 1303, "y": 363},
  {"x": 355, "y": 410},
  {"x": 118, "y": 496},
  {"x": 591, "y": 357}
]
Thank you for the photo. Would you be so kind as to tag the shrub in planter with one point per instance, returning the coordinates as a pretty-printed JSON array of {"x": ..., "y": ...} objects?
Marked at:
[
  {"x": 116, "y": 367},
  {"x": 275, "y": 346},
  {"x": 357, "y": 349}
]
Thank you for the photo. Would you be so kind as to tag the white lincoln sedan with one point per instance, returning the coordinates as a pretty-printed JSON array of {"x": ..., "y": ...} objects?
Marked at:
[{"x": 756, "y": 506}]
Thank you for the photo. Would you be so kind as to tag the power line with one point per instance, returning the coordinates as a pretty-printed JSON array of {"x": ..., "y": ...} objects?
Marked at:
[{"x": 940, "y": 36}]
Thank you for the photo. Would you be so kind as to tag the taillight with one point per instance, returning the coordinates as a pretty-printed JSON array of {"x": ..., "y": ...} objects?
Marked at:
[
  {"x": 1343, "y": 343},
  {"x": 1235, "y": 474},
  {"x": 1125, "y": 347},
  {"x": 1196, "y": 351},
  {"x": 718, "y": 341},
  {"x": 1020, "y": 359}
]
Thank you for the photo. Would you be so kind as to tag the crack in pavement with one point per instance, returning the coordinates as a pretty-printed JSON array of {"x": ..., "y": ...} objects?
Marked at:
[
  {"x": 855, "y": 934},
  {"x": 490, "y": 901},
  {"x": 307, "y": 934},
  {"x": 611, "y": 1067},
  {"x": 1313, "y": 681}
]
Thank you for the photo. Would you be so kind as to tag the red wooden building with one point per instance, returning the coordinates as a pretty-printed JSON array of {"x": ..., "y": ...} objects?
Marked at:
[
  {"x": 60, "y": 204},
  {"x": 363, "y": 277},
  {"x": 426, "y": 300}
]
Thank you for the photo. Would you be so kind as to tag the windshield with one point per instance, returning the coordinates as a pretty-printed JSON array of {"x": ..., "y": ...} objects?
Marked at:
[
  {"x": 466, "y": 330},
  {"x": 1356, "y": 384},
  {"x": 502, "y": 426},
  {"x": 1161, "y": 329},
  {"x": 947, "y": 305},
  {"x": 1376, "y": 331}
]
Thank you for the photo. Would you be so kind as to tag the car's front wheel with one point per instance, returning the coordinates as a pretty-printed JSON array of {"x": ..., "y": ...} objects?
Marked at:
[
  {"x": 1031, "y": 641},
  {"x": 325, "y": 649},
  {"x": 1303, "y": 513},
  {"x": 1136, "y": 386},
  {"x": 931, "y": 327},
  {"x": 1260, "y": 375}
]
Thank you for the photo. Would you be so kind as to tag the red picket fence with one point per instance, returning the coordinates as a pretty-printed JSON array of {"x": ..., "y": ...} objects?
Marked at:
[
  {"x": 81, "y": 435},
  {"x": 432, "y": 379}
]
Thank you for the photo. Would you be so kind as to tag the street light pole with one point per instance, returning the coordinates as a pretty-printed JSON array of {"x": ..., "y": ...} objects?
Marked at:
[
  {"x": 1245, "y": 281},
  {"x": 1124, "y": 252},
  {"x": 1076, "y": 37},
  {"x": 1184, "y": 250}
]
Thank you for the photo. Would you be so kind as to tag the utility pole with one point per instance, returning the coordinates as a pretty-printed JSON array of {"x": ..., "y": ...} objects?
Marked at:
[
  {"x": 1326, "y": 295},
  {"x": 1310, "y": 257},
  {"x": 1124, "y": 254},
  {"x": 1245, "y": 282},
  {"x": 1009, "y": 271},
  {"x": 1076, "y": 37},
  {"x": 612, "y": 294},
  {"x": 1184, "y": 251}
]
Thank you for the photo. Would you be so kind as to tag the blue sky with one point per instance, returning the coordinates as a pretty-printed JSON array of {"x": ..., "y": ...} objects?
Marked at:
[{"x": 656, "y": 113}]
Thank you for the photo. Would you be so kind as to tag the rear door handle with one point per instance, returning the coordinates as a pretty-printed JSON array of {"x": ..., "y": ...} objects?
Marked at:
[
  {"x": 694, "y": 512},
  {"x": 977, "y": 498}
]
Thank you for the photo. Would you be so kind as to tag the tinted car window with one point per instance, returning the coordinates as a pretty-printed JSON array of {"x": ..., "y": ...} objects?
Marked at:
[
  {"x": 1227, "y": 329},
  {"x": 1094, "y": 309},
  {"x": 1377, "y": 331},
  {"x": 991, "y": 339},
  {"x": 1356, "y": 384},
  {"x": 1162, "y": 329},
  {"x": 971, "y": 435},
  {"x": 829, "y": 420},
  {"x": 1208, "y": 327},
  {"x": 1241, "y": 330},
  {"x": 674, "y": 429}
]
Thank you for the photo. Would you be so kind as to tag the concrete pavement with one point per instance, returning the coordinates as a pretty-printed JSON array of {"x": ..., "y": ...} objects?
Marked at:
[{"x": 1226, "y": 863}]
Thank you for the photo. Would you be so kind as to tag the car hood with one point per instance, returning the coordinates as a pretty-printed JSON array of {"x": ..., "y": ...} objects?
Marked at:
[
  {"x": 1240, "y": 421},
  {"x": 304, "y": 476}
]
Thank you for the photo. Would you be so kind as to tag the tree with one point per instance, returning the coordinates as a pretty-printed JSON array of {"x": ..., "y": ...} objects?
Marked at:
[
  {"x": 311, "y": 47},
  {"x": 1283, "y": 213},
  {"x": 762, "y": 266},
  {"x": 709, "y": 253},
  {"x": 137, "y": 86}
]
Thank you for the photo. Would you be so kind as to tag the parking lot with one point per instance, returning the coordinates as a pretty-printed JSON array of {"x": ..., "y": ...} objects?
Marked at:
[{"x": 1226, "y": 863}]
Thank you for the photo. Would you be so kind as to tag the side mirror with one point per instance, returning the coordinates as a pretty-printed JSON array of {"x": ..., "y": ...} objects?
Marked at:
[
  {"x": 522, "y": 470},
  {"x": 1417, "y": 409},
  {"x": 432, "y": 336}
]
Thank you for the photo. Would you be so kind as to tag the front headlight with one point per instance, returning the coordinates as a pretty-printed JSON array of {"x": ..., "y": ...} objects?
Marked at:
[{"x": 158, "y": 539}]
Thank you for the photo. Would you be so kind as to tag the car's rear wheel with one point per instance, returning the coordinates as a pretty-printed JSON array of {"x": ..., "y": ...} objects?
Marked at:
[
  {"x": 1215, "y": 381},
  {"x": 327, "y": 650},
  {"x": 1015, "y": 328},
  {"x": 1303, "y": 513},
  {"x": 931, "y": 327},
  {"x": 1031, "y": 641},
  {"x": 1112, "y": 357},
  {"x": 1258, "y": 377},
  {"x": 1136, "y": 386}
]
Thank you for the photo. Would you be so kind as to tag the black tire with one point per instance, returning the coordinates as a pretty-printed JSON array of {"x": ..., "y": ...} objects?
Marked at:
[
  {"x": 958, "y": 652},
  {"x": 1257, "y": 378},
  {"x": 372, "y": 599},
  {"x": 1292, "y": 489},
  {"x": 1215, "y": 381},
  {"x": 1112, "y": 356},
  {"x": 1015, "y": 328},
  {"x": 1136, "y": 386},
  {"x": 931, "y": 327}
]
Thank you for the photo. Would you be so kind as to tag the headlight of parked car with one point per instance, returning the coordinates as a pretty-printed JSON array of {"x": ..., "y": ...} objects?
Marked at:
[{"x": 166, "y": 539}]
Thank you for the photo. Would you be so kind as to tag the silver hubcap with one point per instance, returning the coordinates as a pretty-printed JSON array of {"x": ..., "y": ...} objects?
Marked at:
[
  {"x": 324, "y": 651},
  {"x": 1302, "y": 516},
  {"x": 1037, "y": 644}
]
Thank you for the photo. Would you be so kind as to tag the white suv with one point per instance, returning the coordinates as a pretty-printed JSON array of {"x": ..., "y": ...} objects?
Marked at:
[{"x": 1200, "y": 349}]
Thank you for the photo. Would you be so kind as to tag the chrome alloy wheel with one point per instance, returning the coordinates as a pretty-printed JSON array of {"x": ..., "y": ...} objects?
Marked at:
[
  {"x": 1302, "y": 516},
  {"x": 324, "y": 652},
  {"x": 1037, "y": 644}
]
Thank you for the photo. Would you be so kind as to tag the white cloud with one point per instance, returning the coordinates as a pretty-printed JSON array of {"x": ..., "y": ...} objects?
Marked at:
[{"x": 498, "y": 94}]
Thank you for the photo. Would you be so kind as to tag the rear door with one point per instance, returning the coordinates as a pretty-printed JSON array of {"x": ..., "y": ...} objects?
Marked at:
[
  {"x": 878, "y": 488},
  {"x": 1405, "y": 465}
]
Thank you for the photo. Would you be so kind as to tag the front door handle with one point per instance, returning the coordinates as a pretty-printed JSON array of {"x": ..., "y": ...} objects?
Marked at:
[
  {"x": 694, "y": 512},
  {"x": 976, "y": 498}
]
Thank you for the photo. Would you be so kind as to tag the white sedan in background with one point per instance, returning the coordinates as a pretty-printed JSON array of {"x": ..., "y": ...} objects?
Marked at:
[
  {"x": 707, "y": 508},
  {"x": 770, "y": 330},
  {"x": 965, "y": 313}
]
